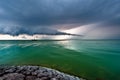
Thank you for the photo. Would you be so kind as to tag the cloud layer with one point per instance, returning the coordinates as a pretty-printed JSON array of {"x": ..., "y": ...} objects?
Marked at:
[{"x": 36, "y": 16}]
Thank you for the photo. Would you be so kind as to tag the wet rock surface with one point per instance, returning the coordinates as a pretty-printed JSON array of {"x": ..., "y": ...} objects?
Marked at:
[{"x": 33, "y": 73}]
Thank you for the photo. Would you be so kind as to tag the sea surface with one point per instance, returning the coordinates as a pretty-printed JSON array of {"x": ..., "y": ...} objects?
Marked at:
[{"x": 90, "y": 59}]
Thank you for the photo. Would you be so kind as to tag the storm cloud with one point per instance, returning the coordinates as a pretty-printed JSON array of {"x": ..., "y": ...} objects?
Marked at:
[{"x": 36, "y": 16}]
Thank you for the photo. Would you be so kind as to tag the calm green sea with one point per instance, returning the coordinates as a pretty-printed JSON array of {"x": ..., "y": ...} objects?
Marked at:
[{"x": 91, "y": 59}]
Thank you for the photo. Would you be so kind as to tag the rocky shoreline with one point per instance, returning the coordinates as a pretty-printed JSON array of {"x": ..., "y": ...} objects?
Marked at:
[{"x": 33, "y": 73}]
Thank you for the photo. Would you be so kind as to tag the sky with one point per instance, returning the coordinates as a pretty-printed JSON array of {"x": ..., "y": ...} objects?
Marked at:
[{"x": 94, "y": 19}]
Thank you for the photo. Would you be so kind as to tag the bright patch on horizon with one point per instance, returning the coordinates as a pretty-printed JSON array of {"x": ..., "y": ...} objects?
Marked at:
[{"x": 34, "y": 37}]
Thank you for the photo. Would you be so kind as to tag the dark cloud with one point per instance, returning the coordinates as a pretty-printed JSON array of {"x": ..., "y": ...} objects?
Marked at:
[{"x": 37, "y": 16}]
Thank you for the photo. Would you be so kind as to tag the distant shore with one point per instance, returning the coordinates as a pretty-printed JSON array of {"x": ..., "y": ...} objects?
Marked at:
[{"x": 33, "y": 73}]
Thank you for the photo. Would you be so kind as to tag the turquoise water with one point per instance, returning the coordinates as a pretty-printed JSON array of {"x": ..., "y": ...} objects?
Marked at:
[{"x": 91, "y": 59}]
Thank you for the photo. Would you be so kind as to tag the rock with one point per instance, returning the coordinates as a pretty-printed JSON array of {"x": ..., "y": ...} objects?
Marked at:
[
  {"x": 30, "y": 77},
  {"x": 38, "y": 79},
  {"x": 12, "y": 76},
  {"x": 33, "y": 73},
  {"x": 53, "y": 79},
  {"x": 11, "y": 70},
  {"x": 45, "y": 78}
]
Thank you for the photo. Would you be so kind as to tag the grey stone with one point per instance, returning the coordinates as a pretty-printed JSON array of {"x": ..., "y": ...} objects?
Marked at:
[
  {"x": 33, "y": 73},
  {"x": 53, "y": 79},
  {"x": 30, "y": 77},
  {"x": 38, "y": 79},
  {"x": 13, "y": 76}
]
